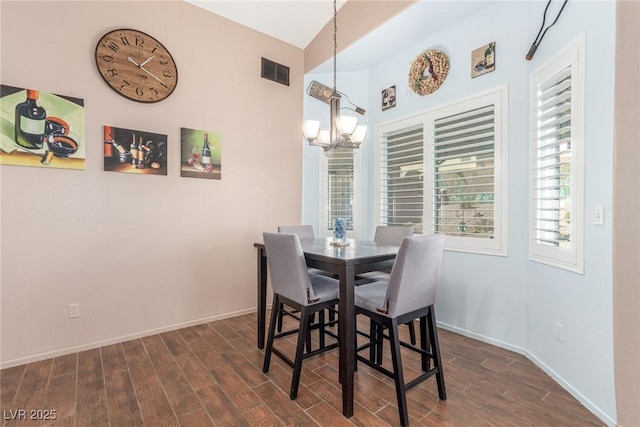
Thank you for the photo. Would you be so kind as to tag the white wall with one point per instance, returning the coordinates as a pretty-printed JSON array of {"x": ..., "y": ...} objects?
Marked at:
[
  {"x": 511, "y": 301},
  {"x": 142, "y": 254}
]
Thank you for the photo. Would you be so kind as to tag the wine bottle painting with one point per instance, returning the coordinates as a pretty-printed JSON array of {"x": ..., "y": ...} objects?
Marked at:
[
  {"x": 483, "y": 60},
  {"x": 134, "y": 151},
  {"x": 41, "y": 129},
  {"x": 201, "y": 155}
]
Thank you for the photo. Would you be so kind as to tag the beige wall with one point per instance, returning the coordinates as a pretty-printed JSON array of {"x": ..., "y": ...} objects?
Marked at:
[
  {"x": 143, "y": 253},
  {"x": 626, "y": 232}
]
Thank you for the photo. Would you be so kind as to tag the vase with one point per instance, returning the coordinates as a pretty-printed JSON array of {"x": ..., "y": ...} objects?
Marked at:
[{"x": 339, "y": 230}]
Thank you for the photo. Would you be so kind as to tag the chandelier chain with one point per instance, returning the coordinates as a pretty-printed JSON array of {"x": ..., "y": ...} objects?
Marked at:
[{"x": 335, "y": 42}]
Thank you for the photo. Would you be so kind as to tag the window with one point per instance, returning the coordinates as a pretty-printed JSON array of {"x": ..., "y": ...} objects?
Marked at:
[
  {"x": 557, "y": 89},
  {"x": 402, "y": 171},
  {"x": 441, "y": 171},
  {"x": 340, "y": 187},
  {"x": 464, "y": 174}
]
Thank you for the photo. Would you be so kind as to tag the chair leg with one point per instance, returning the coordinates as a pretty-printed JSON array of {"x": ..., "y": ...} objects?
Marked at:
[
  {"x": 280, "y": 316},
  {"x": 373, "y": 337},
  {"x": 321, "y": 329},
  {"x": 379, "y": 342},
  {"x": 412, "y": 332},
  {"x": 398, "y": 374},
  {"x": 424, "y": 344},
  {"x": 276, "y": 312},
  {"x": 302, "y": 339},
  {"x": 435, "y": 348},
  {"x": 312, "y": 320}
]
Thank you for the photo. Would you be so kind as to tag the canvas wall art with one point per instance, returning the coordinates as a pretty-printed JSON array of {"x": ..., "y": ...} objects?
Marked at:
[
  {"x": 483, "y": 60},
  {"x": 41, "y": 129},
  {"x": 134, "y": 151},
  {"x": 201, "y": 155}
]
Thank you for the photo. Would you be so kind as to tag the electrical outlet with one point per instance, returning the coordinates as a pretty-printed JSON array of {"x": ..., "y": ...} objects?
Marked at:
[
  {"x": 74, "y": 311},
  {"x": 559, "y": 332}
]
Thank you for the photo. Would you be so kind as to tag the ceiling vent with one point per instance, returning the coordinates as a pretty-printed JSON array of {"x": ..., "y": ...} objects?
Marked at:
[{"x": 275, "y": 72}]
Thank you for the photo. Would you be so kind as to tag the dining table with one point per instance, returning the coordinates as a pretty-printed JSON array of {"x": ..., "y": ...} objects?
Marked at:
[{"x": 343, "y": 262}]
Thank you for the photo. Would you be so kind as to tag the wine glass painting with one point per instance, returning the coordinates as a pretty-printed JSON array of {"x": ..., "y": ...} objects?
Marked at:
[
  {"x": 41, "y": 129},
  {"x": 483, "y": 60},
  {"x": 201, "y": 155},
  {"x": 134, "y": 151}
]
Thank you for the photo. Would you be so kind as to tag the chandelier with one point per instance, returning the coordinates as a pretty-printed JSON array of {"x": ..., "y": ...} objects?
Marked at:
[{"x": 345, "y": 131}]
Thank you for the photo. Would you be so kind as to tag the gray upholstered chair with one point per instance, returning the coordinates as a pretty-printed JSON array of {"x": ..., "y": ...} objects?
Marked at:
[
  {"x": 294, "y": 287},
  {"x": 304, "y": 232},
  {"x": 386, "y": 235},
  {"x": 409, "y": 294}
]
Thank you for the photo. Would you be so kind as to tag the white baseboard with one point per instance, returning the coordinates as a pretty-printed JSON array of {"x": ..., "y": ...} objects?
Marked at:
[
  {"x": 554, "y": 375},
  {"x": 575, "y": 393},
  {"x": 115, "y": 340},
  {"x": 482, "y": 338}
]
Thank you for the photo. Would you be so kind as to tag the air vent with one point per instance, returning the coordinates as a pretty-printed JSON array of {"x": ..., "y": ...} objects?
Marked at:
[{"x": 275, "y": 72}]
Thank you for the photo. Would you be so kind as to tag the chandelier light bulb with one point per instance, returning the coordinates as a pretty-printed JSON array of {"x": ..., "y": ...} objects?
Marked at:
[
  {"x": 346, "y": 125},
  {"x": 310, "y": 129},
  {"x": 324, "y": 137},
  {"x": 359, "y": 134}
]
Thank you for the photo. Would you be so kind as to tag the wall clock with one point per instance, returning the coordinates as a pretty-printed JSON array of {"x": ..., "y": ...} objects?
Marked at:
[{"x": 136, "y": 65}]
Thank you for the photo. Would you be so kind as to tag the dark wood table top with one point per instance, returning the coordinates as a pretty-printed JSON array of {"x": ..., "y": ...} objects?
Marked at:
[{"x": 358, "y": 253}]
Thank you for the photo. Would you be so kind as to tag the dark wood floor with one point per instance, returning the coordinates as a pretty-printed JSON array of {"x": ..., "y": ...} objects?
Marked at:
[{"x": 211, "y": 375}]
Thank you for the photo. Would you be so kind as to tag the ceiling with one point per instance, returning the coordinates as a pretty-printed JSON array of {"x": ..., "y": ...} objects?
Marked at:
[
  {"x": 298, "y": 21},
  {"x": 293, "y": 21}
]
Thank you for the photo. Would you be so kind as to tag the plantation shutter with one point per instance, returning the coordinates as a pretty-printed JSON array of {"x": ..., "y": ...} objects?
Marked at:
[
  {"x": 464, "y": 180},
  {"x": 552, "y": 161},
  {"x": 402, "y": 173},
  {"x": 340, "y": 187}
]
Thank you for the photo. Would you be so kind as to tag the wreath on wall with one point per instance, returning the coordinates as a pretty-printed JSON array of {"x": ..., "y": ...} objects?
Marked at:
[{"x": 428, "y": 71}]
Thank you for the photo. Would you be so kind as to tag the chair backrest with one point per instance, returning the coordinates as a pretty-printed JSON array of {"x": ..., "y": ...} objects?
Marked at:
[
  {"x": 304, "y": 232},
  {"x": 287, "y": 266},
  {"x": 392, "y": 234},
  {"x": 415, "y": 274}
]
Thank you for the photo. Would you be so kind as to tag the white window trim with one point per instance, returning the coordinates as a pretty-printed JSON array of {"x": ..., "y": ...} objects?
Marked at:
[
  {"x": 324, "y": 192},
  {"x": 571, "y": 259},
  {"x": 498, "y": 245}
]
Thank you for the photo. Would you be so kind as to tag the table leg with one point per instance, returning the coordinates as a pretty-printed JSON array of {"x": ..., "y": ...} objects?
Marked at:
[
  {"x": 347, "y": 330},
  {"x": 262, "y": 295}
]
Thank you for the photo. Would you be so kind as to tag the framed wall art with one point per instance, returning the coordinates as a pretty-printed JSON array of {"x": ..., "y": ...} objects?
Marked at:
[
  {"x": 389, "y": 98},
  {"x": 201, "y": 155},
  {"x": 41, "y": 129},
  {"x": 483, "y": 60},
  {"x": 134, "y": 151}
]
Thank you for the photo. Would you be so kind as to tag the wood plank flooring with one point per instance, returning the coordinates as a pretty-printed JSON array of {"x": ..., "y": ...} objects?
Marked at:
[{"x": 211, "y": 375}]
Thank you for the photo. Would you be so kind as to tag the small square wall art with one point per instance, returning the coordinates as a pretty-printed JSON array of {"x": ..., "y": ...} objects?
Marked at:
[
  {"x": 483, "y": 60},
  {"x": 41, "y": 129},
  {"x": 134, "y": 151},
  {"x": 389, "y": 98},
  {"x": 201, "y": 154}
]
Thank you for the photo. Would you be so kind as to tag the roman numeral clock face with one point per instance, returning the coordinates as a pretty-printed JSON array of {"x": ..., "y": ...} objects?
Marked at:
[{"x": 136, "y": 65}]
